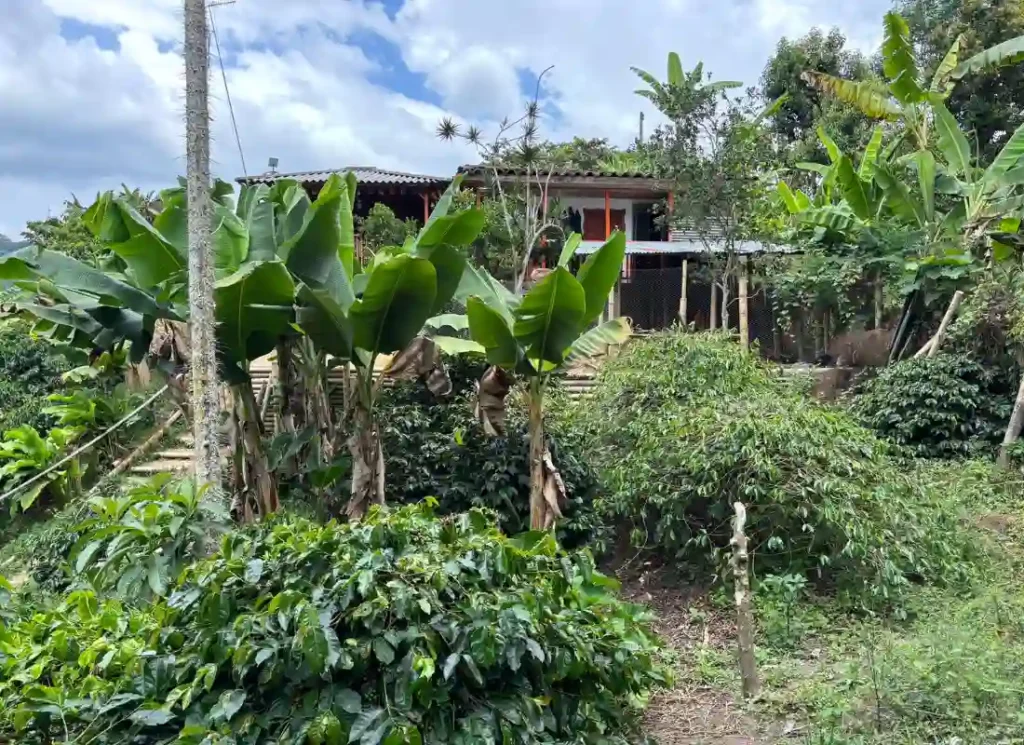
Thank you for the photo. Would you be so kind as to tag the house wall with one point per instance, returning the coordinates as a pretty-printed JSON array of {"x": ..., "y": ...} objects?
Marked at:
[{"x": 591, "y": 203}]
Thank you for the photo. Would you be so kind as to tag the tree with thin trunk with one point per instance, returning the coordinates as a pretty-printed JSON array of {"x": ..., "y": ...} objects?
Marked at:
[{"x": 206, "y": 400}]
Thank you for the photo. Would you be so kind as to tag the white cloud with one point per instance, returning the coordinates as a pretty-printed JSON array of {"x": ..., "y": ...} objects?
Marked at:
[{"x": 75, "y": 117}]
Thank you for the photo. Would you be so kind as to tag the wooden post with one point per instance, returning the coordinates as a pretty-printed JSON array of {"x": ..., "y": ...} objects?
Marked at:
[
  {"x": 744, "y": 308},
  {"x": 682, "y": 295},
  {"x": 713, "y": 322},
  {"x": 479, "y": 199},
  {"x": 878, "y": 300},
  {"x": 744, "y": 615},
  {"x": 610, "y": 305},
  {"x": 607, "y": 215},
  {"x": 1013, "y": 428},
  {"x": 668, "y": 218},
  {"x": 426, "y": 207},
  {"x": 958, "y": 297}
]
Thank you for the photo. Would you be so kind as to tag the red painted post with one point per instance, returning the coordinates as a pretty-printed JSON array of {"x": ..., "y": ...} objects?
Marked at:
[
  {"x": 426, "y": 207},
  {"x": 607, "y": 215}
]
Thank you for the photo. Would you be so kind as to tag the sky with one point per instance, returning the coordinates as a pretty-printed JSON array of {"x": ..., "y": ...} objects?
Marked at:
[{"x": 92, "y": 91}]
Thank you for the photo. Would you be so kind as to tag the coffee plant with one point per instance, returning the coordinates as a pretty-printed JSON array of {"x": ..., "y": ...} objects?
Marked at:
[{"x": 403, "y": 628}]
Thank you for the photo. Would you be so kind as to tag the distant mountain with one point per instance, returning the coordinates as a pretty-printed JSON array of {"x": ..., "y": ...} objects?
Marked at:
[{"x": 7, "y": 246}]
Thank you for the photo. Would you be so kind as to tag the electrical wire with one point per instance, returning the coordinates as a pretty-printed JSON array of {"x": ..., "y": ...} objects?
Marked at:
[{"x": 227, "y": 91}]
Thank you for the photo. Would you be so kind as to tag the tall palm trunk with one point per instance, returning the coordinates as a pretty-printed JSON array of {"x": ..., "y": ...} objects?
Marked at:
[{"x": 205, "y": 395}]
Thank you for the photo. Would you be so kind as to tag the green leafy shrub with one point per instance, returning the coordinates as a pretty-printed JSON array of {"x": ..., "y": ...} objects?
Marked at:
[
  {"x": 136, "y": 544},
  {"x": 437, "y": 448},
  {"x": 682, "y": 425},
  {"x": 382, "y": 228},
  {"x": 399, "y": 629},
  {"x": 936, "y": 407},
  {"x": 30, "y": 370}
]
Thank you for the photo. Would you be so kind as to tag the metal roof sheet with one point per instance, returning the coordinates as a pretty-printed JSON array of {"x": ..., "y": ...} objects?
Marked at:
[
  {"x": 743, "y": 248},
  {"x": 482, "y": 170},
  {"x": 364, "y": 174}
]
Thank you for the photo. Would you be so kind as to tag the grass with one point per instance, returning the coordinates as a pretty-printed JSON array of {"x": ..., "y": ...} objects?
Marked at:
[{"x": 949, "y": 669}]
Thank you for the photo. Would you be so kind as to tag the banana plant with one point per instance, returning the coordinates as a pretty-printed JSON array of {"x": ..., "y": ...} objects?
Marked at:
[
  {"x": 682, "y": 92},
  {"x": 535, "y": 336},
  {"x": 359, "y": 312},
  {"x": 254, "y": 297},
  {"x": 905, "y": 95}
]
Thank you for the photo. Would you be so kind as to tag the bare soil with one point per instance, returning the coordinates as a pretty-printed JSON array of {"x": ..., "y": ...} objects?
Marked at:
[{"x": 695, "y": 712}]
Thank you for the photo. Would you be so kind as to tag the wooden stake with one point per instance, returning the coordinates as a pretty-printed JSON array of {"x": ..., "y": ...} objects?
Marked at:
[
  {"x": 744, "y": 308},
  {"x": 713, "y": 323},
  {"x": 683, "y": 294},
  {"x": 1013, "y": 428},
  {"x": 744, "y": 615},
  {"x": 958, "y": 297}
]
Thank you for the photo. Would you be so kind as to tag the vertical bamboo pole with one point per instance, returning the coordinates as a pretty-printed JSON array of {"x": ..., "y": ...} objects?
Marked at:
[
  {"x": 744, "y": 308},
  {"x": 683, "y": 294}
]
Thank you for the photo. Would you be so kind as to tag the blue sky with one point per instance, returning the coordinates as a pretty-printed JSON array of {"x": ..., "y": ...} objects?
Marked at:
[{"x": 91, "y": 90}]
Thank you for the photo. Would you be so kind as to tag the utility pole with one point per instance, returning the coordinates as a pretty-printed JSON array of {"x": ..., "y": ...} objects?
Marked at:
[{"x": 205, "y": 398}]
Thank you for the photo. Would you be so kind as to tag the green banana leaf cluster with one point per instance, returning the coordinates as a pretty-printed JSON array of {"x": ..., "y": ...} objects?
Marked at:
[
  {"x": 905, "y": 95},
  {"x": 551, "y": 323},
  {"x": 942, "y": 193},
  {"x": 285, "y": 265}
]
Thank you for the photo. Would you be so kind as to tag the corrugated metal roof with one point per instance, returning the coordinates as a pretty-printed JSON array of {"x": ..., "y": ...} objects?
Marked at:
[
  {"x": 481, "y": 170},
  {"x": 743, "y": 248},
  {"x": 365, "y": 175}
]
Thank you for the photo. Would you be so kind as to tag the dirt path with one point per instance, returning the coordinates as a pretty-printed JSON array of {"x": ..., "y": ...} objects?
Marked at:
[{"x": 698, "y": 711}]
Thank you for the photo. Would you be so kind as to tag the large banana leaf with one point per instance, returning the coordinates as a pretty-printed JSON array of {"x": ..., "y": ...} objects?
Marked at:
[
  {"x": 262, "y": 228},
  {"x": 834, "y": 153},
  {"x": 70, "y": 274},
  {"x": 479, "y": 283},
  {"x": 230, "y": 239},
  {"x": 675, "y": 69},
  {"x": 855, "y": 191},
  {"x": 870, "y": 156},
  {"x": 398, "y": 299},
  {"x": 313, "y": 251},
  {"x": 489, "y": 328},
  {"x": 455, "y": 345},
  {"x": 1009, "y": 157},
  {"x": 456, "y": 321},
  {"x": 254, "y": 309},
  {"x": 597, "y": 340},
  {"x": 952, "y": 142},
  {"x": 449, "y": 266},
  {"x": 598, "y": 276},
  {"x": 898, "y": 196},
  {"x": 571, "y": 244},
  {"x": 552, "y": 313},
  {"x": 151, "y": 258},
  {"x": 925, "y": 163},
  {"x": 1007, "y": 53},
  {"x": 835, "y": 219},
  {"x": 898, "y": 60},
  {"x": 324, "y": 321},
  {"x": 869, "y": 97},
  {"x": 940, "y": 80},
  {"x": 788, "y": 198}
]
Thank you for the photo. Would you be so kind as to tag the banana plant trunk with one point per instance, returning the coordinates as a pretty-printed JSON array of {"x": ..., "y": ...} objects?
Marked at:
[
  {"x": 538, "y": 507},
  {"x": 288, "y": 402},
  {"x": 259, "y": 496},
  {"x": 367, "y": 453}
]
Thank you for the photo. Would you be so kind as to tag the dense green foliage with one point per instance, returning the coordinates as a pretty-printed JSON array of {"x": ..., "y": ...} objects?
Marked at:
[
  {"x": 944, "y": 406},
  {"x": 682, "y": 425},
  {"x": 437, "y": 448},
  {"x": 382, "y": 228},
  {"x": 30, "y": 370},
  {"x": 400, "y": 629}
]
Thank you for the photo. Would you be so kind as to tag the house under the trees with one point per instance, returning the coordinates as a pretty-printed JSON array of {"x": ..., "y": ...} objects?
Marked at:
[{"x": 660, "y": 263}]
